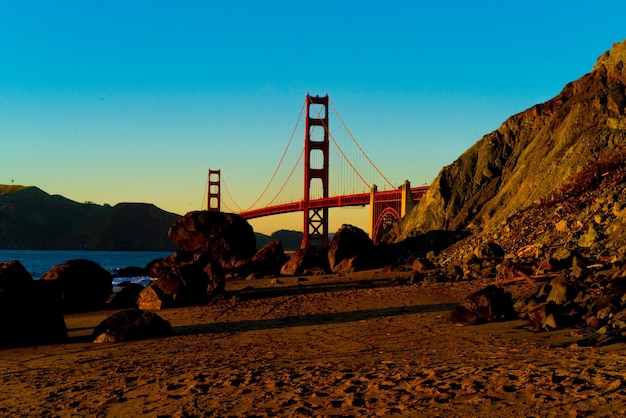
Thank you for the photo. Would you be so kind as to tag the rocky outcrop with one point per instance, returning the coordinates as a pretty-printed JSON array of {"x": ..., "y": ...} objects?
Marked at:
[
  {"x": 224, "y": 237},
  {"x": 530, "y": 155},
  {"x": 30, "y": 311},
  {"x": 84, "y": 284}
]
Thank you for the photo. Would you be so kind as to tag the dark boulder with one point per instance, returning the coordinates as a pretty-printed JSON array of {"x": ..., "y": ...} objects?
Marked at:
[
  {"x": 126, "y": 298},
  {"x": 130, "y": 325},
  {"x": 13, "y": 277},
  {"x": 85, "y": 285},
  {"x": 223, "y": 236},
  {"x": 306, "y": 259},
  {"x": 351, "y": 242},
  {"x": 487, "y": 305},
  {"x": 269, "y": 259},
  {"x": 30, "y": 311},
  {"x": 182, "y": 279}
]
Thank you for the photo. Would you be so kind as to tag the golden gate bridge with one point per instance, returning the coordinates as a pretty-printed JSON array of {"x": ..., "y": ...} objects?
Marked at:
[{"x": 344, "y": 177}]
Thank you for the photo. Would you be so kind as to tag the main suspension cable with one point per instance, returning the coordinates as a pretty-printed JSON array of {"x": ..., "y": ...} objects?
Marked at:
[
  {"x": 288, "y": 178},
  {"x": 339, "y": 148},
  {"x": 281, "y": 159},
  {"x": 229, "y": 195},
  {"x": 358, "y": 146}
]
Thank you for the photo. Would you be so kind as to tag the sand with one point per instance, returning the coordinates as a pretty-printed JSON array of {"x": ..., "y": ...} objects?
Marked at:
[{"x": 357, "y": 345}]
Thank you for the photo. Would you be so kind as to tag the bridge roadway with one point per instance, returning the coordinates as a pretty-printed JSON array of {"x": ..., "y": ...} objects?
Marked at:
[{"x": 359, "y": 199}]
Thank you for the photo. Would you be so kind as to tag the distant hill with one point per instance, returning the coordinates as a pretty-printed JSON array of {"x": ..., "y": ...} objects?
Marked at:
[
  {"x": 32, "y": 219},
  {"x": 291, "y": 240}
]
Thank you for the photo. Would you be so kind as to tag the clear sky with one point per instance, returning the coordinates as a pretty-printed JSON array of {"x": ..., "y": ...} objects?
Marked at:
[{"x": 133, "y": 101}]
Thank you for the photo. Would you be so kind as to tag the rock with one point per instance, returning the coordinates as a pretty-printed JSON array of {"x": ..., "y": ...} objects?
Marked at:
[
  {"x": 152, "y": 298},
  {"x": 562, "y": 226},
  {"x": 544, "y": 316},
  {"x": 182, "y": 279},
  {"x": 561, "y": 291},
  {"x": 269, "y": 259},
  {"x": 348, "y": 265},
  {"x": 31, "y": 311},
  {"x": 131, "y": 325},
  {"x": 85, "y": 285},
  {"x": 561, "y": 258},
  {"x": 126, "y": 298},
  {"x": 13, "y": 277},
  {"x": 421, "y": 265},
  {"x": 171, "y": 291},
  {"x": 454, "y": 272},
  {"x": 352, "y": 242},
  {"x": 216, "y": 277},
  {"x": 224, "y": 237},
  {"x": 307, "y": 259},
  {"x": 492, "y": 303},
  {"x": 589, "y": 238},
  {"x": 488, "y": 251}
]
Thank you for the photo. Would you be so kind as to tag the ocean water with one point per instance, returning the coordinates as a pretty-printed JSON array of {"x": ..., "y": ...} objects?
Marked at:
[{"x": 37, "y": 262}]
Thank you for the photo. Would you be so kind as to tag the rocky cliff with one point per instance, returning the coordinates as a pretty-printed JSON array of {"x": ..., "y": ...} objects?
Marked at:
[{"x": 530, "y": 155}]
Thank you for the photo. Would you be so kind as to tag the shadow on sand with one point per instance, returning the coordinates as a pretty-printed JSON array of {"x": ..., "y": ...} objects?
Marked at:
[{"x": 308, "y": 319}]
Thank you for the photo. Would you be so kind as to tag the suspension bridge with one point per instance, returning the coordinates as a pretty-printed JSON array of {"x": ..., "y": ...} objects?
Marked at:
[{"x": 344, "y": 177}]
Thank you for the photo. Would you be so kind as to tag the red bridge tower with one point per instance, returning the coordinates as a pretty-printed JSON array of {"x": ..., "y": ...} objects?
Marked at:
[
  {"x": 316, "y": 146},
  {"x": 214, "y": 195}
]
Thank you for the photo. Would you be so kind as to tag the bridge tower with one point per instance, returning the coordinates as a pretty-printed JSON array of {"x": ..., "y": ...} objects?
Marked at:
[
  {"x": 214, "y": 194},
  {"x": 316, "y": 147}
]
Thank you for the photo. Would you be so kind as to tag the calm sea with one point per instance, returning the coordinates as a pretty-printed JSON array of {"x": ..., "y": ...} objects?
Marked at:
[{"x": 37, "y": 262}]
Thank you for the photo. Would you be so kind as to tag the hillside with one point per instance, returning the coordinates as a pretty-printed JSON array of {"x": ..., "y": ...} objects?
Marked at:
[
  {"x": 531, "y": 156},
  {"x": 32, "y": 219}
]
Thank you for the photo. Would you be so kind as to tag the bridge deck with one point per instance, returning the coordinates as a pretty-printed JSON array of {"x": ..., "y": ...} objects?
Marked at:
[{"x": 359, "y": 199}]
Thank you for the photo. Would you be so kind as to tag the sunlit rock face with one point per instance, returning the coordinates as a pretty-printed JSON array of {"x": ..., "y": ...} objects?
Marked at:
[{"x": 530, "y": 155}]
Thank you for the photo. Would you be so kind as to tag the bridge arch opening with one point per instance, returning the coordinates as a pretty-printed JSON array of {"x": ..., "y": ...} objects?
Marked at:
[
  {"x": 317, "y": 110},
  {"x": 316, "y": 189},
  {"x": 316, "y": 159},
  {"x": 317, "y": 133},
  {"x": 384, "y": 222}
]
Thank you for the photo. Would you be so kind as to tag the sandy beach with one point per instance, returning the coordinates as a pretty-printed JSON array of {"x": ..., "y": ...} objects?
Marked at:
[{"x": 365, "y": 344}]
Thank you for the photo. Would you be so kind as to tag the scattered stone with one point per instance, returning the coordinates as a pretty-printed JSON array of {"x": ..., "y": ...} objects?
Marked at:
[
  {"x": 490, "y": 304},
  {"x": 562, "y": 226},
  {"x": 488, "y": 251},
  {"x": 421, "y": 265}
]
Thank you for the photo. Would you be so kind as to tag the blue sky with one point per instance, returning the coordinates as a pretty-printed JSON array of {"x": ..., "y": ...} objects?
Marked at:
[{"x": 133, "y": 101}]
